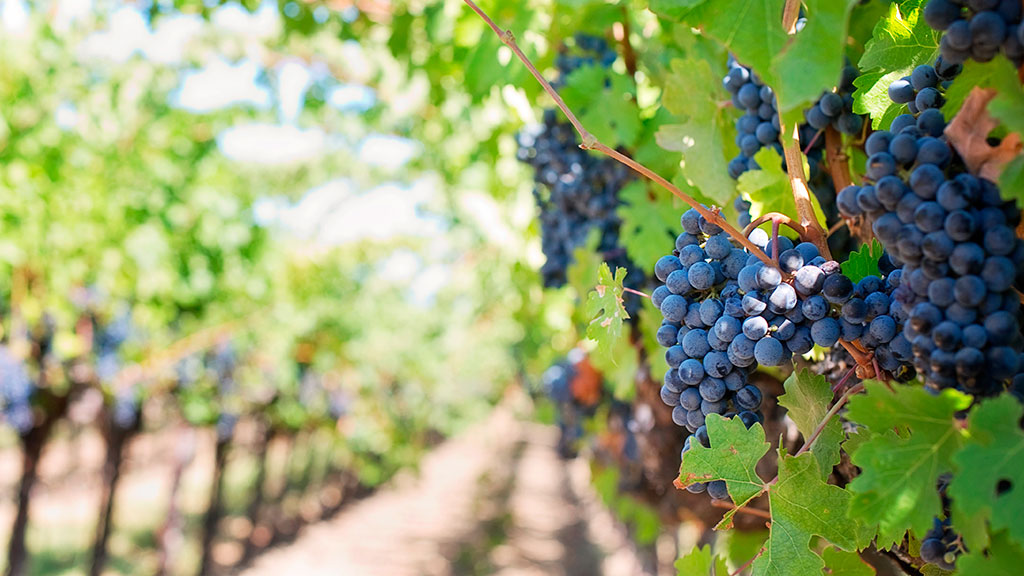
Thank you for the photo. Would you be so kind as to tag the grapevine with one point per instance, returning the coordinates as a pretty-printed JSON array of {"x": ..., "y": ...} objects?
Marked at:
[{"x": 938, "y": 307}]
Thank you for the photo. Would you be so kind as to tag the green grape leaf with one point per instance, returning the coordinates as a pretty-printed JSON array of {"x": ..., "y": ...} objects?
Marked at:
[
  {"x": 811, "y": 64},
  {"x": 807, "y": 398},
  {"x": 615, "y": 120},
  {"x": 647, "y": 224},
  {"x": 750, "y": 29},
  {"x": 802, "y": 506},
  {"x": 1003, "y": 558},
  {"x": 842, "y": 563},
  {"x": 650, "y": 154},
  {"x": 864, "y": 262},
  {"x": 900, "y": 38},
  {"x": 586, "y": 264},
  {"x": 693, "y": 93},
  {"x": 914, "y": 437},
  {"x": 768, "y": 189},
  {"x": 733, "y": 457},
  {"x": 701, "y": 562},
  {"x": 650, "y": 322},
  {"x": 604, "y": 101},
  {"x": 673, "y": 9},
  {"x": 1011, "y": 182},
  {"x": 993, "y": 455},
  {"x": 605, "y": 310},
  {"x": 742, "y": 545},
  {"x": 900, "y": 42},
  {"x": 583, "y": 87}
]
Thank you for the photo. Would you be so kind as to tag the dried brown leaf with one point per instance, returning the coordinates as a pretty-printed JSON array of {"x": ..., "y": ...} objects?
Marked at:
[{"x": 968, "y": 133}]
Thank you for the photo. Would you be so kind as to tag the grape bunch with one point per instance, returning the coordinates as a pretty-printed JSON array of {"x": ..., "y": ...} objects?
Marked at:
[
  {"x": 726, "y": 312},
  {"x": 941, "y": 545},
  {"x": 590, "y": 51},
  {"x": 16, "y": 391},
  {"x": 924, "y": 88},
  {"x": 576, "y": 191},
  {"x": 835, "y": 108},
  {"x": 954, "y": 237},
  {"x": 874, "y": 319},
  {"x": 759, "y": 126},
  {"x": 978, "y": 29}
]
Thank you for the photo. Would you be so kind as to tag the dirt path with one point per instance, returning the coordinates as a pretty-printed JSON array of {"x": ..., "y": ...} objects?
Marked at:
[{"x": 494, "y": 500}]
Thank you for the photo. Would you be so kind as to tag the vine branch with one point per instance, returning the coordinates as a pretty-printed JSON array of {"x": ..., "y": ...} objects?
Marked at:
[
  {"x": 802, "y": 194},
  {"x": 772, "y": 217},
  {"x": 591, "y": 143},
  {"x": 790, "y": 14},
  {"x": 838, "y": 161}
]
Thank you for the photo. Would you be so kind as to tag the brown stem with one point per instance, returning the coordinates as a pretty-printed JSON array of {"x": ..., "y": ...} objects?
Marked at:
[
  {"x": 802, "y": 194},
  {"x": 836, "y": 158},
  {"x": 592, "y": 143},
  {"x": 775, "y": 239},
  {"x": 637, "y": 292},
  {"x": 835, "y": 227},
  {"x": 742, "y": 509},
  {"x": 772, "y": 216},
  {"x": 790, "y": 14}
]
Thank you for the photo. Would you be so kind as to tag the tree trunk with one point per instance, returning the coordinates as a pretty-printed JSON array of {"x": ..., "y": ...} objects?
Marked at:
[
  {"x": 117, "y": 438},
  {"x": 213, "y": 511}
]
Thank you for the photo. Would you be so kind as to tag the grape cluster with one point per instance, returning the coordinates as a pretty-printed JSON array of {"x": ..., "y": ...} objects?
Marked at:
[
  {"x": 726, "y": 312},
  {"x": 954, "y": 237},
  {"x": 836, "y": 108},
  {"x": 590, "y": 51},
  {"x": 874, "y": 319},
  {"x": 577, "y": 192},
  {"x": 924, "y": 88},
  {"x": 16, "y": 390},
  {"x": 941, "y": 545},
  {"x": 978, "y": 29},
  {"x": 759, "y": 126}
]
